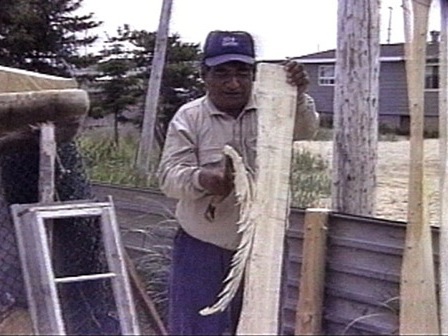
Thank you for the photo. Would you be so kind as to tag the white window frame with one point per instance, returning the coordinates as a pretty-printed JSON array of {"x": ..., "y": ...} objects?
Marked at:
[
  {"x": 324, "y": 79},
  {"x": 437, "y": 74}
]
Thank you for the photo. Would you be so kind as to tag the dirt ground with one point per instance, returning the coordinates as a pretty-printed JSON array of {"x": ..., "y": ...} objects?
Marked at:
[{"x": 393, "y": 175}]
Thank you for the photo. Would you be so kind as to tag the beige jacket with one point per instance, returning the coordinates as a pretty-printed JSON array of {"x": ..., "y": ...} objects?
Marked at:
[{"x": 196, "y": 137}]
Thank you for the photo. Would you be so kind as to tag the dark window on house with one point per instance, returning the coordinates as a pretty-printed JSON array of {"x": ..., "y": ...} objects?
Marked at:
[
  {"x": 326, "y": 75},
  {"x": 432, "y": 76}
]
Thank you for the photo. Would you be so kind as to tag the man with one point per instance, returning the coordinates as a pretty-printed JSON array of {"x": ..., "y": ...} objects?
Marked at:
[{"x": 194, "y": 171}]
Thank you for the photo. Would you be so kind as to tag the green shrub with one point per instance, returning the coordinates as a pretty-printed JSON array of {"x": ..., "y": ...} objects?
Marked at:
[
  {"x": 107, "y": 162},
  {"x": 310, "y": 180}
]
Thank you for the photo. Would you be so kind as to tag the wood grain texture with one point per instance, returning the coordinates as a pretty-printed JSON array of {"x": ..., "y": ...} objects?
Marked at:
[
  {"x": 22, "y": 112},
  {"x": 47, "y": 159},
  {"x": 356, "y": 95},
  {"x": 443, "y": 145},
  {"x": 418, "y": 302},
  {"x": 311, "y": 296},
  {"x": 277, "y": 106}
]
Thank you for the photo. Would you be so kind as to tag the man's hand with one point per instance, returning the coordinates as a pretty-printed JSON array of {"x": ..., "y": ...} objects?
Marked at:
[
  {"x": 217, "y": 180},
  {"x": 297, "y": 76}
]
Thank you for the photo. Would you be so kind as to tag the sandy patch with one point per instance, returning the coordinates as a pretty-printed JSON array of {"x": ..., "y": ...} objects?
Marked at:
[{"x": 393, "y": 176}]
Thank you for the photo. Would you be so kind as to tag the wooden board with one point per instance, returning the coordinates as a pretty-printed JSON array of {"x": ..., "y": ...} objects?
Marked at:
[
  {"x": 418, "y": 302},
  {"x": 47, "y": 159},
  {"x": 443, "y": 145},
  {"x": 277, "y": 106},
  {"x": 312, "y": 282}
]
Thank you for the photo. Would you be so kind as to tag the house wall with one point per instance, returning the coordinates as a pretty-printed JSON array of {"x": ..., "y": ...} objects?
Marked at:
[
  {"x": 393, "y": 92},
  {"x": 431, "y": 102},
  {"x": 323, "y": 95},
  {"x": 393, "y": 100}
]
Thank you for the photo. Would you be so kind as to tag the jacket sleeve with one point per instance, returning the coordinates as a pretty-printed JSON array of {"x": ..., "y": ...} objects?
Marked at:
[
  {"x": 178, "y": 171},
  {"x": 307, "y": 118}
]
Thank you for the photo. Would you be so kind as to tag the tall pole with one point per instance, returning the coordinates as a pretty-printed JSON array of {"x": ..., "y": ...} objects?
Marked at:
[
  {"x": 152, "y": 96},
  {"x": 418, "y": 298},
  {"x": 356, "y": 108},
  {"x": 443, "y": 145}
]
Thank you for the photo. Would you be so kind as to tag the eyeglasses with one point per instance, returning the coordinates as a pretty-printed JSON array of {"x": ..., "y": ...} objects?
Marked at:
[{"x": 228, "y": 74}]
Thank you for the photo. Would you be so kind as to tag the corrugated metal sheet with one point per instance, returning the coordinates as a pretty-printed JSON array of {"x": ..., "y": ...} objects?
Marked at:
[
  {"x": 362, "y": 271},
  {"x": 362, "y": 274}
]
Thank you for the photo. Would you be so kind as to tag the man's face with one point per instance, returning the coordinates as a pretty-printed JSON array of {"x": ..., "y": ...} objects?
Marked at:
[{"x": 229, "y": 86}]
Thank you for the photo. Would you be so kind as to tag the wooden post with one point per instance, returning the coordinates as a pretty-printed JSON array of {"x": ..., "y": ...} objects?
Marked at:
[
  {"x": 443, "y": 146},
  {"x": 276, "y": 113},
  {"x": 418, "y": 302},
  {"x": 312, "y": 280},
  {"x": 47, "y": 160},
  {"x": 355, "y": 144},
  {"x": 146, "y": 143}
]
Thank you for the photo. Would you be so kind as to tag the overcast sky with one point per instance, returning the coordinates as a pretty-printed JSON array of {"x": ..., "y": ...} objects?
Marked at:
[{"x": 282, "y": 28}]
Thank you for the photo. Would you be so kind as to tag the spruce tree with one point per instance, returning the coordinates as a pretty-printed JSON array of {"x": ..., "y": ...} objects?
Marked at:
[{"x": 45, "y": 35}]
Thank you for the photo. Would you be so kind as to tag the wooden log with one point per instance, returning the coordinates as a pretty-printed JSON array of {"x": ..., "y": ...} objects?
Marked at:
[
  {"x": 311, "y": 292},
  {"x": 17, "y": 80},
  {"x": 276, "y": 113},
  {"x": 443, "y": 146},
  {"x": 418, "y": 301},
  {"x": 23, "y": 112}
]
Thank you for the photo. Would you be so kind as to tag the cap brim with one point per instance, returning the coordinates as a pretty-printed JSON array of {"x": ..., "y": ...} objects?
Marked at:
[{"x": 212, "y": 61}]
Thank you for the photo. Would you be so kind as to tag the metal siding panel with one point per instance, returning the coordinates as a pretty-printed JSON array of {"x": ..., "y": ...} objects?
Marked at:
[
  {"x": 362, "y": 275},
  {"x": 363, "y": 269}
]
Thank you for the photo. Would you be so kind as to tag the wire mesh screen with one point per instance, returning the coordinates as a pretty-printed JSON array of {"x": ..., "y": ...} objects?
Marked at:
[{"x": 88, "y": 307}]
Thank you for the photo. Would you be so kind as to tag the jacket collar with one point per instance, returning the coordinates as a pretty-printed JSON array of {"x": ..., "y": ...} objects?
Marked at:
[{"x": 250, "y": 106}]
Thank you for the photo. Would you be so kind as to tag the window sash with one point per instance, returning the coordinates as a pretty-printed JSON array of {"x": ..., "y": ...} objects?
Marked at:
[
  {"x": 326, "y": 75},
  {"x": 432, "y": 77}
]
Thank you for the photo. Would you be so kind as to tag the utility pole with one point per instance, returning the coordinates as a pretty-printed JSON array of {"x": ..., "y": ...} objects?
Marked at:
[{"x": 146, "y": 144}]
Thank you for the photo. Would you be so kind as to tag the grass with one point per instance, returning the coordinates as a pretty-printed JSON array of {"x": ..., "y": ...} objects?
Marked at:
[
  {"x": 310, "y": 179},
  {"x": 107, "y": 162}
]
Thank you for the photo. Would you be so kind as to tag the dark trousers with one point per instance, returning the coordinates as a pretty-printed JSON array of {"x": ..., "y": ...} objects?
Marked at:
[{"x": 198, "y": 270}]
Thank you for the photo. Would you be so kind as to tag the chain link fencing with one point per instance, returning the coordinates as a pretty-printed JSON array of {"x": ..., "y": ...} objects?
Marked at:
[{"x": 88, "y": 307}]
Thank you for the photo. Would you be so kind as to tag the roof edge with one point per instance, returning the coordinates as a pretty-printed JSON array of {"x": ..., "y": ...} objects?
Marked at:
[{"x": 333, "y": 60}]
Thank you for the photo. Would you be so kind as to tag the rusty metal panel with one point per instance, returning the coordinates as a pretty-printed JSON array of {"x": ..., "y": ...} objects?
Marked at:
[{"x": 362, "y": 274}]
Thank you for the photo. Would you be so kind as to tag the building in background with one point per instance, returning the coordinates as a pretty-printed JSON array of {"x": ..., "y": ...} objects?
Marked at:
[{"x": 393, "y": 100}]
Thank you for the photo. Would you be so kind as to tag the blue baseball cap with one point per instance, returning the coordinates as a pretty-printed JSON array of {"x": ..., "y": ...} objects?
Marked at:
[{"x": 226, "y": 46}]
